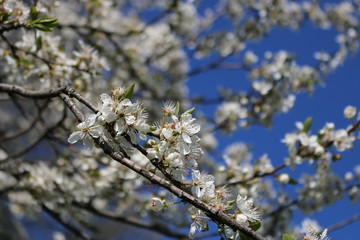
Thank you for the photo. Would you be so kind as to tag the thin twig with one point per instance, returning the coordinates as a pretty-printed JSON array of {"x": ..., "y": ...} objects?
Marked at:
[
  {"x": 344, "y": 223},
  {"x": 132, "y": 221},
  {"x": 68, "y": 226}
]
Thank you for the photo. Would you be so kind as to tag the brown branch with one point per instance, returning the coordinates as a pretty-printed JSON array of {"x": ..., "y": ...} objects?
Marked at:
[
  {"x": 11, "y": 135},
  {"x": 206, "y": 67},
  {"x": 51, "y": 93},
  {"x": 216, "y": 214},
  {"x": 256, "y": 175},
  {"x": 11, "y": 27},
  {"x": 73, "y": 94},
  {"x": 68, "y": 226},
  {"x": 163, "y": 14},
  {"x": 296, "y": 201},
  {"x": 34, "y": 143},
  {"x": 132, "y": 221},
  {"x": 344, "y": 223}
]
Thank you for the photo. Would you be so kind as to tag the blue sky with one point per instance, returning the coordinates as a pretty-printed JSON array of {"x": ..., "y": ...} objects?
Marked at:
[{"x": 341, "y": 88}]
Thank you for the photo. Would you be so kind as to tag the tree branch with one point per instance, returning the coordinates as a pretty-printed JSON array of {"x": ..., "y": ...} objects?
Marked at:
[
  {"x": 214, "y": 213},
  {"x": 51, "y": 93},
  {"x": 132, "y": 222},
  {"x": 68, "y": 226},
  {"x": 344, "y": 223}
]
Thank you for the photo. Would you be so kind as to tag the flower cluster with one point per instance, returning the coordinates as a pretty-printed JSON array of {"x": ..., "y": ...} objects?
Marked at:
[
  {"x": 302, "y": 145},
  {"x": 117, "y": 118},
  {"x": 98, "y": 43},
  {"x": 178, "y": 147},
  {"x": 176, "y": 150}
]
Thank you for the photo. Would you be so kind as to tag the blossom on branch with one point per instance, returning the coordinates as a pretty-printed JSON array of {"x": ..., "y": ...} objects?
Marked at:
[{"x": 86, "y": 133}]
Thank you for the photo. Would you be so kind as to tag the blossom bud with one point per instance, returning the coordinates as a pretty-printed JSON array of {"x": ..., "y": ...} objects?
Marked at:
[
  {"x": 157, "y": 204},
  {"x": 250, "y": 58},
  {"x": 151, "y": 142},
  {"x": 283, "y": 178},
  {"x": 348, "y": 176},
  {"x": 350, "y": 112}
]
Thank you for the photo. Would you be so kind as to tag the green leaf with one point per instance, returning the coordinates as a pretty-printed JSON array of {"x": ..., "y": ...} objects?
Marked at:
[
  {"x": 46, "y": 21},
  {"x": 307, "y": 124},
  {"x": 190, "y": 111},
  {"x": 255, "y": 225},
  {"x": 288, "y": 237},
  {"x": 129, "y": 91},
  {"x": 44, "y": 24},
  {"x": 33, "y": 13},
  {"x": 177, "y": 108}
]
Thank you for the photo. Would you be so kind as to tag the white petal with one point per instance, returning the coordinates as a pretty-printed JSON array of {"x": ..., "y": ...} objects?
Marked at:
[
  {"x": 126, "y": 102},
  {"x": 95, "y": 133},
  {"x": 183, "y": 148},
  {"x": 75, "y": 136},
  {"x": 90, "y": 121},
  {"x": 186, "y": 137},
  {"x": 132, "y": 137},
  {"x": 195, "y": 128},
  {"x": 119, "y": 127},
  {"x": 179, "y": 175},
  {"x": 167, "y": 133},
  {"x": 174, "y": 118},
  {"x": 88, "y": 143},
  {"x": 186, "y": 117},
  {"x": 130, "y": 120},
  {"x": 192, "y": 231},
  {"x": 105, "y": 98}
]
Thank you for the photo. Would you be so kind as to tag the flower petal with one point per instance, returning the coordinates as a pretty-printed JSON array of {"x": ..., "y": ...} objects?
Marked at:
[
  {"x": 88, "y": 143},
  {"x": 90, "y": 120},
  {"x": 186, "y": 137},
  {"x": 75, "y": 136}
]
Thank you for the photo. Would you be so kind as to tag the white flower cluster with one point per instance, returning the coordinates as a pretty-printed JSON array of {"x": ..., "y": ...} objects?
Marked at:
[
  {"x": 18, "y": 11},
  {"x": 315, "y": 187},
  {"x": 302, "y": 145},
  {"x": 245, "y": 214},
  {"x": 176, "y": 149},
  {"x": 47, "y": 64},
  {"x": 117, "y": 118},
  {"x": 312, "y": 230},
  {"x": 228, "y": 115}
]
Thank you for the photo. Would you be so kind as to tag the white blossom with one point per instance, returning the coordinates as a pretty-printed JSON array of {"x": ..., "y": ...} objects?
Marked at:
[
  {"x": 186, "y": 126},
  {"x": 247, "y": 209},
  {"x": 156, "y": 204},
  {"x": 342, "y": 140},
  {"x": 87, "y": 131},
  {"x": 203, "y": 185},
  {"x": 199, "y": 220},
  {"x": 350, "y": 112}
]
